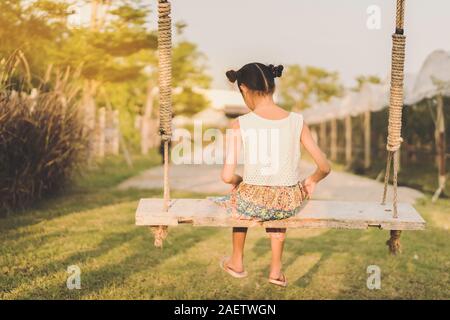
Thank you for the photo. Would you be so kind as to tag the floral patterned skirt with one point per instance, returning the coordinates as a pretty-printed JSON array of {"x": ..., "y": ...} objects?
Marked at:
[{"x": 263, "y": 203}]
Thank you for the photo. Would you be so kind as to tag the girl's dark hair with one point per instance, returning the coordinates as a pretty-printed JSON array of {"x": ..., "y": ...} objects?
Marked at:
[{"x": 257, "y": 77}]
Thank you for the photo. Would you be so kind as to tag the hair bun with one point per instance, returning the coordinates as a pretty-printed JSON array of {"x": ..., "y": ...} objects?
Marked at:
[
  {"x": 232, "y": 76},
  {"x": 277, "y": 71}
]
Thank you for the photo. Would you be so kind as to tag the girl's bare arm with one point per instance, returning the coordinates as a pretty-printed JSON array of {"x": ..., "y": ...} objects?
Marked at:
[
  {"x": 232, "y": 147},
  {"x": 323, "y": 167}
]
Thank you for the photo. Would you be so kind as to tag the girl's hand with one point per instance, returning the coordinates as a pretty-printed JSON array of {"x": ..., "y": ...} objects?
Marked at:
[
  {"x": 310, "y": 185},
  {"x": 237, "y": 181}
]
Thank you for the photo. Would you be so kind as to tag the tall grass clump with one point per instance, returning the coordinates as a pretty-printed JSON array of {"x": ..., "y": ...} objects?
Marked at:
[{"x": 41, "y": 142}]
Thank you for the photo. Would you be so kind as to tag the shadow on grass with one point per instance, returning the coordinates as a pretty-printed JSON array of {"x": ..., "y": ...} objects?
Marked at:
[
  {"x": 366, "y": 246},
  {"x": 350, "y": 250},
  {"x": 145, "y": 257},
  {"x": 327, "y": 244},
  {"x": 82, "y": 201}
]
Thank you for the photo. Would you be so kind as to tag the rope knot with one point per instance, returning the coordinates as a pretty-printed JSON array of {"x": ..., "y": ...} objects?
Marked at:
[
  {"x": 394, "y": 146},
  {"x": 394, "y": 242}
]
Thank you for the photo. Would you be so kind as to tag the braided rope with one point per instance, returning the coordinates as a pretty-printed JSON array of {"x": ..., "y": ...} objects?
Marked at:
[
  {"x": 396, "y": 97},
  {"x": 400, "y": 14},
  {"x": 165, "y": 103},
  {"x": 394, "y": 139},
  {"x": 165, "y": 69}
]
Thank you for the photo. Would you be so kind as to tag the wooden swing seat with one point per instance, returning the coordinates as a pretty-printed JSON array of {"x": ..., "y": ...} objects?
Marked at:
[{"x": 314, "y": 214}]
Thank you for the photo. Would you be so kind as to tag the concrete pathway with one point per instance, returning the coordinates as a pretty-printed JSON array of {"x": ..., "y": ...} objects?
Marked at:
[{"x": 206, "y": 179}]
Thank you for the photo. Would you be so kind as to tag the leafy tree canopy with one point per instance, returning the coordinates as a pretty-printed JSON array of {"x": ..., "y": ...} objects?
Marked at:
[
  {"x": 302, "y": 86},
  {"x": 360, "y": 80}
]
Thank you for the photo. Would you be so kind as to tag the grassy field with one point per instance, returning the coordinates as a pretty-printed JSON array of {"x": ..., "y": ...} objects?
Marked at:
[{"x": 92, "y": 226}]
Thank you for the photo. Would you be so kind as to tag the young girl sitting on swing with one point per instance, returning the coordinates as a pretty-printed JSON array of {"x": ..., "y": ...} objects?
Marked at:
[{"x": 270, "y": 188}]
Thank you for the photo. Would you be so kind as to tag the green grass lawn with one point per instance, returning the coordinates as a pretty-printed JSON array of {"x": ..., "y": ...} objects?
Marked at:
[{"x": 92, "y": 226}]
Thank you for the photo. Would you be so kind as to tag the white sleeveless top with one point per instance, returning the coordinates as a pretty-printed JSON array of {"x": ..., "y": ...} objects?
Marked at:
[{"x": 271, "y": 149}]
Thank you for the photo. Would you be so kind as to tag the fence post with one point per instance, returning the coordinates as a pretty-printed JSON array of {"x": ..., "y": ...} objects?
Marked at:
[
  {"x": 440, "y": 146},
  {"x": 314, "y": 134},
  {"x": 348, "y": 140},
  {"x": 367, "y": 140},
  {"x": 323, "y": 136},
  {"x": 333, "y": 139}
]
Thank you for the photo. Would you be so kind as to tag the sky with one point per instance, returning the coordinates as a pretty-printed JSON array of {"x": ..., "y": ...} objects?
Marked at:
[{"x": 332, "y": 34}]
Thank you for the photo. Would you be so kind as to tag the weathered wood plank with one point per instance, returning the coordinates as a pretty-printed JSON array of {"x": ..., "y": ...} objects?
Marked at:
[
  {"x": 314, "y": 214},
  {"x": 146, "y": 215}
]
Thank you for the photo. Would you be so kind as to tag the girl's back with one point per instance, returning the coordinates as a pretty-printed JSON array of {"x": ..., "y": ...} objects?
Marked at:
[{"x": 271, "y": 149}]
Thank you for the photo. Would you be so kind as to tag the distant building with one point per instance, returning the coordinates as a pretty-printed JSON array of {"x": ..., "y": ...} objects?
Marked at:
[
  {"x": 228, "y": 101},
  {"x": 224, "y": 105}
]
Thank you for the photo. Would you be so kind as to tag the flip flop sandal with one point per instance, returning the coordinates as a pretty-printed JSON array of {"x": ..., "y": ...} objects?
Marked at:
[
  {"x": 278, "y": 282},
  {"x": 230, "y": 271}
]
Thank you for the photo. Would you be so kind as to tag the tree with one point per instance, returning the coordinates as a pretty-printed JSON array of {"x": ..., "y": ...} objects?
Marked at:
[
  {"x": 122, "y": 50},
  {"x": 116, "y": 51},
  {"x": 37, "y": 28},
  {"x": 189, "y": 71},
  {"x": 360, "y": 80},
  {"x": 111, "y": 48},
  {"x": 301, "y": 86}
]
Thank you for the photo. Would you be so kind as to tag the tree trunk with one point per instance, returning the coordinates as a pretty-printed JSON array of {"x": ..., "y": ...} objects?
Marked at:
[
  {"x": 116, "y": 132},
  {"x": 105, "y": 4},
  {"x": 94, "y": 14},
  {"x": 146, "y": 125},
  {"x": 125, "y": 151},
  {"x": 89, "y": 118},
  {"x": 101, "y": 126}
]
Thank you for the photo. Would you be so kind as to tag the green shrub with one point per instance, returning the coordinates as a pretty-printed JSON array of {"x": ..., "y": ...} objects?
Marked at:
[{"x": 41, "y": 142}]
